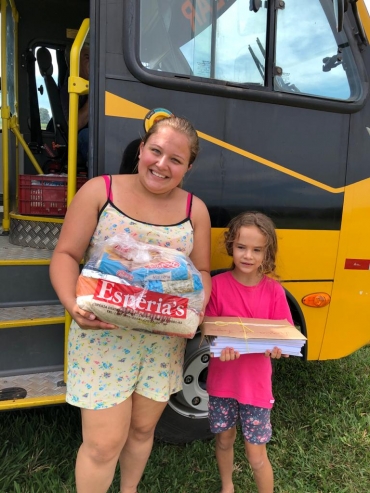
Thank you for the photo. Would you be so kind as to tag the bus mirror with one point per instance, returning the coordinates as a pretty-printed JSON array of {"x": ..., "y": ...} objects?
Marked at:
[
  {"x": 339, "y": 13},
  {"x": 255, "y": 5}
]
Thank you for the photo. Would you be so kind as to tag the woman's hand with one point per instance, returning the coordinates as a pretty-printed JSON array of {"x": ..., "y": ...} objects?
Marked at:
[
  {"x": 275, "y": 354},
  {"x": 87, "y": 320}
]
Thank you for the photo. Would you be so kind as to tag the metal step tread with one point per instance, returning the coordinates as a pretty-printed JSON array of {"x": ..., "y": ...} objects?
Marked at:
[
  {"x": 31, "y": 312},
  {"x": 35, "y": 384},
  {"x": 8, "y": 251}
]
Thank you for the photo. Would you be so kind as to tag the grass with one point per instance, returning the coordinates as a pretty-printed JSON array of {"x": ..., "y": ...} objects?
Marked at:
[{"x": 321, "y": 440}]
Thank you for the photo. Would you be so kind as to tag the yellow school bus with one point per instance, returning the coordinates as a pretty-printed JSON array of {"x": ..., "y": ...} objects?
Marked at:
[{"x": 279, "y": 94}]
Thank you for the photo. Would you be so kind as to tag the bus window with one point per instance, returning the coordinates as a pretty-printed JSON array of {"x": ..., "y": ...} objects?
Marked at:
[
  {"x": 42, "y": 95},
  {"x": 226, "y": 44},
  {"x": 315, "y": 59}
]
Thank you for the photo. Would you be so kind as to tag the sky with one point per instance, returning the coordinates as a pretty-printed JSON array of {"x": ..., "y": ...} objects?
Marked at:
[{"x": 367, "y": 3}]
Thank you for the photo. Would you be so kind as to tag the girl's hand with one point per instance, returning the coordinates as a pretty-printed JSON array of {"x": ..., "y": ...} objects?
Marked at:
[
  {"x": 275, "y": 354},
  {"x": 201, "y": 317},
  {"x": 87, "y": 320},
  {"x": 228, "y": 354}
]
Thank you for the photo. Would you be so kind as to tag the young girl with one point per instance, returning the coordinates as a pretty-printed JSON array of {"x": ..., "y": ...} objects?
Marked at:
[{"x": 239, "y": 386}]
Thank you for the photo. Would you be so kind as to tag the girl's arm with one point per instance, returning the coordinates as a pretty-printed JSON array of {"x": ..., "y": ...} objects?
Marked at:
[
  {"x": 201, "y": 253},
  {"x": 78, "y": 227}
]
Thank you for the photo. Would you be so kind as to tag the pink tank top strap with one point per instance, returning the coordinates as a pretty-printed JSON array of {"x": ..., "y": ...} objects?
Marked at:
[
  {"x": 108, "y": 186},
  {"x": 189, "y": 204}
]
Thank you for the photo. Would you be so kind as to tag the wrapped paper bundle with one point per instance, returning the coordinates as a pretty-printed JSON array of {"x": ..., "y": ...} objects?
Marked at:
[
  {"x": 252, "y": 335},
  {"x": 142, "y": 287}
]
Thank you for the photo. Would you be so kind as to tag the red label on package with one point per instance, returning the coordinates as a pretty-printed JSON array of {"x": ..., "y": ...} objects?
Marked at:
[{"x": 131, "y": 298}]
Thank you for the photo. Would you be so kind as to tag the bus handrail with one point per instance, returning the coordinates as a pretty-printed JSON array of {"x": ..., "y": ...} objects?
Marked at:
[{"x": 77, "y": 86}]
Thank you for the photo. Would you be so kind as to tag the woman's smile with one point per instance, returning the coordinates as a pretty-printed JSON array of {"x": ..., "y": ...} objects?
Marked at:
[{"x": 157, "y": 174}]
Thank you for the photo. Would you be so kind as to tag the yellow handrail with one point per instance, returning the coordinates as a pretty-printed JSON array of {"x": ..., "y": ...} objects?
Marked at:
[
  {"x": 10, "y": 122},
  {"x": 77, "y": 86},
  {"x": 5, "y": 115}
]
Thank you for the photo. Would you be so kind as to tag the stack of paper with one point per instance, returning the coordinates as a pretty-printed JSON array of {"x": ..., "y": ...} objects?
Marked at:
[{"x": 250, "y": 335}]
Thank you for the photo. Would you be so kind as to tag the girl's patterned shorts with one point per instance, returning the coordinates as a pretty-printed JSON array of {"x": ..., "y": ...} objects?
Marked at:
[{"x": 224, "y": 414}]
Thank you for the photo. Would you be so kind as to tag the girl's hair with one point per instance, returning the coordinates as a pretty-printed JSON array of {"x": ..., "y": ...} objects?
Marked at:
[
  {"x": 267, "y": 228},
  {"x": 181, "y": 125}
]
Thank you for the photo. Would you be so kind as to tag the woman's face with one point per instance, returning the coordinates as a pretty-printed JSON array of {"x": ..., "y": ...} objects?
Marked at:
[{"x": 164, "y": 160}]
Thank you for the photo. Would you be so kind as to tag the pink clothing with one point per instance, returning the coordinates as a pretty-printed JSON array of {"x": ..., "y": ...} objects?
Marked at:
[{"x": 247, "y": 379}]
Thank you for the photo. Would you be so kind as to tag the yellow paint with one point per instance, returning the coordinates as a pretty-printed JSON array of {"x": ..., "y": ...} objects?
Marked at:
[
  {"x": 28, "y": 322},
  {"x": 365, "y": 17},
  {"x": 302, "y": 254},
  {"x": 25, "y": 262},
  {"x": 80, "y": 87},
  {"x": 348, "y": 326},
  {"x": 13, "y": 125},
  {"x": 32, "y": 402},
  {"x": 71, "y": 33},
  {"x": 5, "y": 116},
  {"x": 123, "y": 108},
  {"x": 41, "y": 219},
  {"x": 315, "y": 318}
]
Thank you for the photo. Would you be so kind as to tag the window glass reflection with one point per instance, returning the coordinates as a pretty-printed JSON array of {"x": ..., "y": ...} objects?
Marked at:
[
  {"x": 222, "y": 39},
  {"x": 314, "y": 58}
]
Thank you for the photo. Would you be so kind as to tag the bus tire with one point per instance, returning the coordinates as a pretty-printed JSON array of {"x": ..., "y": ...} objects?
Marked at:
[
  {"x": 176, "y": 429},
  {"x": 185, "y": 417}
]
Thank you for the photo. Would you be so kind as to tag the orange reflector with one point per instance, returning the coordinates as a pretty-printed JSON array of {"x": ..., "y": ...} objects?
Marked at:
[{"x": 316, "y": 300}]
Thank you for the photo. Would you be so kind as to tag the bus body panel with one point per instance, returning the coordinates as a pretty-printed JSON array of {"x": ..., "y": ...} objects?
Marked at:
[{"x": 350, "y": 304}]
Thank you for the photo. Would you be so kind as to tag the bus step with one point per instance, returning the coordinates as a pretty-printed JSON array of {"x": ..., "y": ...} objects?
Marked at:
[
  {"x": 37, "y": 389},
  {"x": 35, "y": 232},
  {"x": 10, "y": 253},
  {"x": 32, "y": 340},
  {"x": 25, "y": 316},
  {"x": 28, "y": 270}
]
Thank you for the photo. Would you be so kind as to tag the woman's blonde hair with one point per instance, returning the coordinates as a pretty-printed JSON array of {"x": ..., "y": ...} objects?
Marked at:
[
  {"x": 181, "y": 125},
  {"x": 267, "y": 228}
]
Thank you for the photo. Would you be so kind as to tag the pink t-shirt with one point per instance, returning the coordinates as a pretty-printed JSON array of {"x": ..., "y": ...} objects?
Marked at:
[{"x": 247, "y": 379}]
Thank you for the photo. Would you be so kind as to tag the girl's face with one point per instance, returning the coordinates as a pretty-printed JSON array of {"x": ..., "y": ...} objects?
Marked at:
[
  {"x": 164, "y": 160},
  {"x": 248, "y": 253}
]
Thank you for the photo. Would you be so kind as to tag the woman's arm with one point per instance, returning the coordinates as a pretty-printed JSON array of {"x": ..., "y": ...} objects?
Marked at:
[
  {"x": 201, "y": 253},
  {"x": 78, "y": 227}
]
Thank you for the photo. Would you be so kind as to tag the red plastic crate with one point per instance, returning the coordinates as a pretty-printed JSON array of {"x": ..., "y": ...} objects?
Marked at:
[{"x": 44, "y": 195}]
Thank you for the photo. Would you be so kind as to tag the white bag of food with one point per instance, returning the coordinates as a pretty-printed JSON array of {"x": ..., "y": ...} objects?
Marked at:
[{"x": 141, "y": 286}]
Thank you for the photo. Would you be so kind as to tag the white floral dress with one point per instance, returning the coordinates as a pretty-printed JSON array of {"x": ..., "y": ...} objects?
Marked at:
[{"x": 106, "y": 366}]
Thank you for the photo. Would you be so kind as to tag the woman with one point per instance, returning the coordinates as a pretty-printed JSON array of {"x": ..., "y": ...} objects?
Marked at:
[{"x": 122, "y": 379}]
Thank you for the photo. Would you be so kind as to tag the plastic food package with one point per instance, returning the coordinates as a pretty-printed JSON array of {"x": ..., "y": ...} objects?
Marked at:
[{"x": 142, "y": 287}]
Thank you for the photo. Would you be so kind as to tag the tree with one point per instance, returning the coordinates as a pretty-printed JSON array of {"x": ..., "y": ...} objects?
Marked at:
[{"x": 44, "y": 115}]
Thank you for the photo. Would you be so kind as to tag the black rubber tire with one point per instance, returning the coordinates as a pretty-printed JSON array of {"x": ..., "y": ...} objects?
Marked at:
[
  {"x": 185, "y": 418},
  {"x": 177, "y": 429}
]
